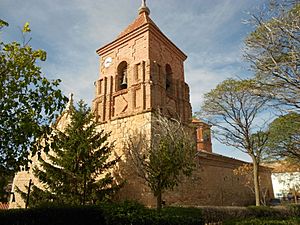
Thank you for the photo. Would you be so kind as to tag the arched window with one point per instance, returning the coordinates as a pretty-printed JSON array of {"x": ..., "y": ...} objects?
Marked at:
[
  {"x": 122, "y": 76},
  {"x": 168, "y": 77}
]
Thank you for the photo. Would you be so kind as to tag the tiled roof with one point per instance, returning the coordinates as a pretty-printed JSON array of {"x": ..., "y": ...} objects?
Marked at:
[
  {"x": 4, "y": 206},
  {"x": 283, "y": 167},
  {"x": 194, "y": 120},
  {"x": 141, "y": 20}
]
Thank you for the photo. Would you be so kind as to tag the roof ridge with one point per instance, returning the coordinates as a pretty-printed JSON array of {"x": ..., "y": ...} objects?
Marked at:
[{"x": 140, "y": 21}]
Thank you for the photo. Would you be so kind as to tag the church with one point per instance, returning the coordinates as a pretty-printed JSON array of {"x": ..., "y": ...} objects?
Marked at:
[{"x": 142, "y": 72}]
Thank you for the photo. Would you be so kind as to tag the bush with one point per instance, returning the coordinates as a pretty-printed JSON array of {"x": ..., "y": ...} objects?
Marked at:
[
  {"x": 50, "y": 216},
  {"x": 221, "y": 213},
  {"x": 294, "y": 209},
  {"x": 132, "y": 213},
  {"x": 181, "y": 215},
  {"x": 263, "y": 221},
  {"x": 265, "y": 211},
  {"x": 135, "y": 214},
  {"x": 216, "y": 214},
  {"x": 127, "y": 213}
]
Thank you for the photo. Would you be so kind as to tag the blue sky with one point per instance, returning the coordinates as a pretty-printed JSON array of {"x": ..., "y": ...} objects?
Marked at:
[{"x": 210, "y": 32}]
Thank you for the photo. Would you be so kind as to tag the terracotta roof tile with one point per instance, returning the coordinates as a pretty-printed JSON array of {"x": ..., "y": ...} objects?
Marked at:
[
  {"x": 4, "y": 206},
  {"x": 283, "y": 167},
  {"x": 141, "y": 20},
  {"x": 194, "y": 120}
]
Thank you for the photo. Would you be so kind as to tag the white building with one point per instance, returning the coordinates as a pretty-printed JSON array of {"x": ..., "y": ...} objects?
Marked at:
[{"x": 285, "y": 180}]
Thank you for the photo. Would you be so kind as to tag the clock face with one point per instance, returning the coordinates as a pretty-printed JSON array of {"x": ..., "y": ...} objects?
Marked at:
[{"x": 107, "y": 62}]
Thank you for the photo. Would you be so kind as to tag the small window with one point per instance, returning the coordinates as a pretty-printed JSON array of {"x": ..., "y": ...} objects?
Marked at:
[
  {"x": 122, "y": 76},
  {"x": 168, "y": 77}
]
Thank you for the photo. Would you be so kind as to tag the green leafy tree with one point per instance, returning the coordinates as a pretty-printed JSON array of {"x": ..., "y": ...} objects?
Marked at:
[
  {"x": 284, "y": 140},
  {"x": 273, "y": 48},
  {"x": 234, "y": 111},
  {"x": 77, "y": 169},
  {"x": 164, "y": 157},
  {"x": 29, "y": 102}
]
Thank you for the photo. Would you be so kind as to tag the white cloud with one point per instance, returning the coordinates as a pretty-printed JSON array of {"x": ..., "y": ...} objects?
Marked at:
[{"x": 200, "y": 82}]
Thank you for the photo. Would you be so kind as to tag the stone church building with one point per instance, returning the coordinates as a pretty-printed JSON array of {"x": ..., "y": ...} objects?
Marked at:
[{"x": 141, "y": 72}]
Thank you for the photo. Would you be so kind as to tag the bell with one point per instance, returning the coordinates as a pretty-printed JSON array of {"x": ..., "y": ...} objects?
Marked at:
[{"x": 124, "y": 82}]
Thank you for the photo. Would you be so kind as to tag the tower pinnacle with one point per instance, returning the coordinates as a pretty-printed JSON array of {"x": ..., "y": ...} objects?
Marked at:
[
  {"x": 70, "y": 102},
  {"x": 144, "y": 8}
]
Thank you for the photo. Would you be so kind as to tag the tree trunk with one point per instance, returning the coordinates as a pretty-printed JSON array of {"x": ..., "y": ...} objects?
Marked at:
[
  {"x": 158, "y": 201},
  {"x": 256, "y": 181},
  {"x": 295, "y": 195},
  {"x": 28, "y": 194}
]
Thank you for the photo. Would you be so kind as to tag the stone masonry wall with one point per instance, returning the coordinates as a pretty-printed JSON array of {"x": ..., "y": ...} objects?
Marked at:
[{"x": 212, "y": 183}]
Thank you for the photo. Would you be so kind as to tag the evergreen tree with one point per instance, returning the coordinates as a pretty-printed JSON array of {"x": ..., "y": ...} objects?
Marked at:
[{"x": 77, "y": 169}]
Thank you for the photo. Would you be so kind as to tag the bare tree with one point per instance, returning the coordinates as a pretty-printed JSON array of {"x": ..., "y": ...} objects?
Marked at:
[
  {"x": 246, "y": 171},
  {"x": 233, "y": 109},
  {"x": 273, "y": 48},
  {"x": 163, "y": 155}
]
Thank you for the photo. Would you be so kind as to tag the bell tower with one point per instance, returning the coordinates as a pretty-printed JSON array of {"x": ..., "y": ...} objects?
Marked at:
[{"x": 141, "y": 71}]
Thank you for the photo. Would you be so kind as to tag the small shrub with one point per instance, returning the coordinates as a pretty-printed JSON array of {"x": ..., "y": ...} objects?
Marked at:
[
  {"x": 183, "y": 211},
  {"x": 265, "y": 211},
  {"x": 54, "y": 215},
  {"x": 135, "y": 214},
  {"x": 182, "y": 215},
  {"x": 261, "y": 211},
  {"x": 216, "y": 214},
  {"x": 263, "y": 221},
  {"x": 294, "y": 209},
  {"x": 132, "y": 213},
  {"x": 127, "y": 213}
]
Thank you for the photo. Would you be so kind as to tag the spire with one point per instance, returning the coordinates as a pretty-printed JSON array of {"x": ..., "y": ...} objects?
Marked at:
[
  {"x": 70, "y": 102},
  {"x": 144, "y": 8}
]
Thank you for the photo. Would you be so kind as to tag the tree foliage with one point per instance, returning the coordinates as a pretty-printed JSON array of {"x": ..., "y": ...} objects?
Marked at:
[
  {"x": 29, "y": 102},
  {"x": 234, "y": 109},
  {"x": 284, "y": 140},
  {"x": 77, "y": 169},
  {"x": 162, "y": 158},
  {"x": 273, "y": 48}
]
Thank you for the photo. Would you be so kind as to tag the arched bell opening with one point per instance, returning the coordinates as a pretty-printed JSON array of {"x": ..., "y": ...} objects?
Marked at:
[{"x": 122, "y": 76}]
